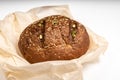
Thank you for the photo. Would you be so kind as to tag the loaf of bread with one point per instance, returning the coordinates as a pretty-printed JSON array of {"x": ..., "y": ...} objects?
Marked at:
[{"x": 55, "y": 37}]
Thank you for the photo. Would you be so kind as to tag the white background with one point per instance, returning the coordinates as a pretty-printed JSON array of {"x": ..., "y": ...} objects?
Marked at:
[{"x": 102, "y": 17}]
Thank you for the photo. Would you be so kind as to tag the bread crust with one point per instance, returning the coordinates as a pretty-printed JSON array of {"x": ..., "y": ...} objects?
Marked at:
[{"x": 54, "y": 37}]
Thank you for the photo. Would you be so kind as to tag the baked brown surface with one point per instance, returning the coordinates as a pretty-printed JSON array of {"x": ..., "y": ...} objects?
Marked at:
[{"x": 54, "y": 37}]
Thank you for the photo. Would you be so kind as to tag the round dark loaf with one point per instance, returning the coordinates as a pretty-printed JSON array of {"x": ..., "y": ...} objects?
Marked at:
[{"x": 54, "y": 37}]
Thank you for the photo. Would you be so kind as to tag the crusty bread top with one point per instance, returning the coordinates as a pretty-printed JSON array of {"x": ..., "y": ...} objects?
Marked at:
[{"x": 54, "y": 37}]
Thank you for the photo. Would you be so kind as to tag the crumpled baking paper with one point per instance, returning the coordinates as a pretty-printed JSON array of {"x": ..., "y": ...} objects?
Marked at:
[{"x": 14, "y": 67}]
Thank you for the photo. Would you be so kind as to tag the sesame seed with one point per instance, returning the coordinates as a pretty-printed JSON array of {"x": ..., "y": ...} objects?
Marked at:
[
  {"x": 40, "y": 36},
  {"x": 33, "y": 44},
  {"x": 69, "y": 46},
  {"x": 41, "y": 21},
  {"x": 60, "y": 20},
  {"x": 73, "y": 25},
  {"x": 66, "y": 19},
  {"x": 26, "y": 31},
  {"x": 29, "y": 44},
  {"x": 67, "y": 24},
  {"x": 39, "y": 24},
  {"x": 49, "y": 28}
]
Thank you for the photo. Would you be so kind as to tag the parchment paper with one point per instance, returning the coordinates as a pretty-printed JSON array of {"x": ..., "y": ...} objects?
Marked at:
[{"x": 14, "y": 67}]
